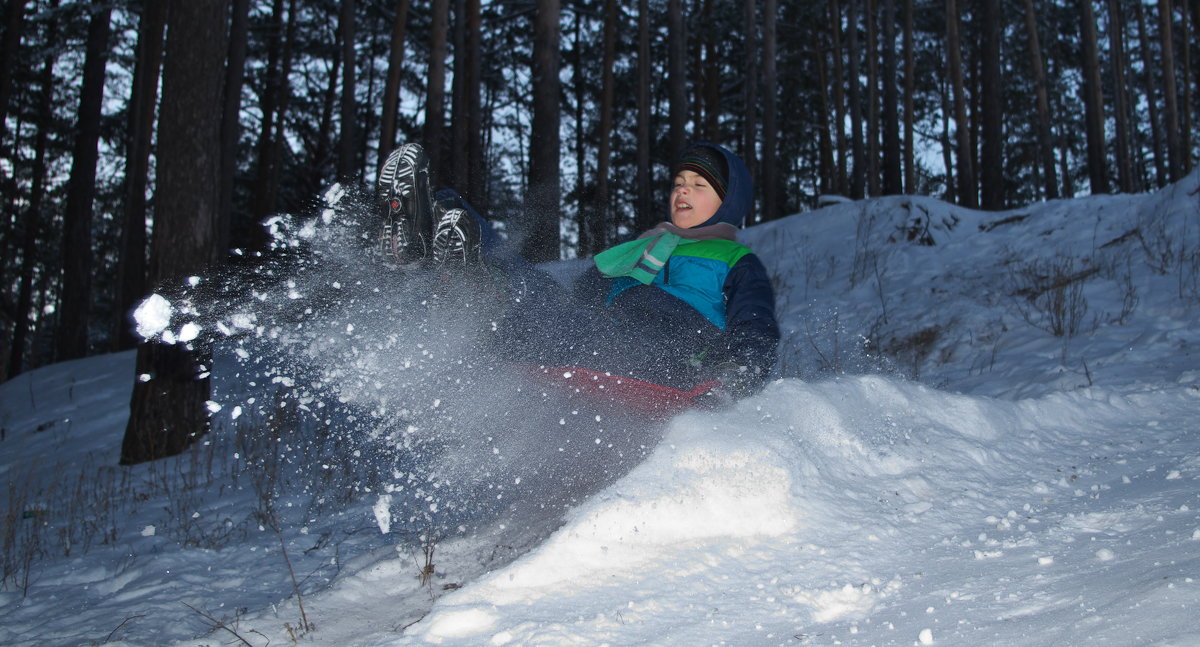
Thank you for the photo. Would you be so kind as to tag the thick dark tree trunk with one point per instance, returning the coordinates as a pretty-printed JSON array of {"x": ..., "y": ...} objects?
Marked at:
[
  {"x": 131, "y": 268},
  {"x": 893, "y": 182},
  {"x": 542, "y": 202},
  {"x": 967, "y": 190},
  {"x": 14, "y": 21},
  {"x": 910, "y": 170},
  {"x": 231, "y": 130},
  {"x": 168, "y": 408},
  {"x": 842, "y": 180},
  {"x": 858, "y": 176},
  {"x": 1175, "y": 153},
  {"x": 1148, "y": 63},
  {"x": 391, "y": 88},
  {"x": 1038, "y": 69},
  {"x": 595, "y": 230},
  {"x": 1093, "y": 101},
  {"x": 872, "y": 99},
  {"x": 348, "y": 146},
  {"x": 770, "y": 163},
  {"x": 71, "y": 341},
  {"x": 435, "y": 96},
  {"x": 991, "y": 162},
  {"x": 272, "y": 96},
  {"x": 645, "y": 218},
  {"x": 750, "y": 88},
  {"x": 1116, "y": 38},
  {"x": 32, "y": 219},
  {"x": 676, "y": 79}
]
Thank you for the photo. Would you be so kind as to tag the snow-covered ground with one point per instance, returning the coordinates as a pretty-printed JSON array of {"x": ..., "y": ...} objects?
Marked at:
[{"x": 933, "y": 466}]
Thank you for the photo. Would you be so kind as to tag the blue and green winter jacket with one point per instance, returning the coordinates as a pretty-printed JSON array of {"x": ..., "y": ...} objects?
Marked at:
[{"x": 715, "y": 284}]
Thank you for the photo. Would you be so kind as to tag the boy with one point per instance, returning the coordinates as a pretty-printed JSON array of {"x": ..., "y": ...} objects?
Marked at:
[{"x": 682, "y": 303}]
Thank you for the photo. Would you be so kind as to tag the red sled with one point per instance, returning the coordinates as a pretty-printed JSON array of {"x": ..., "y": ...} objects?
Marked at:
[{"x": 652, "y": 400}]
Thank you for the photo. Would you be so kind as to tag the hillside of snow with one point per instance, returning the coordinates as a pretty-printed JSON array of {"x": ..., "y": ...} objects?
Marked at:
[{"x": 983, "y": 432}]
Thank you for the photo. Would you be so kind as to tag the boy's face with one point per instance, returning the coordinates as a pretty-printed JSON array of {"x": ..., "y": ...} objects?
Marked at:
[{"x": 693, "y": 200}]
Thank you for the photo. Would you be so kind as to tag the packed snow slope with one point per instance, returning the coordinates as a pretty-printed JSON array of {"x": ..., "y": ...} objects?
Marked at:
[{"x": 984, "y": 432}]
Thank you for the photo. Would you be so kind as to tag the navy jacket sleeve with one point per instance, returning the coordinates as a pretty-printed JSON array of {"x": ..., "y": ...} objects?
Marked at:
[{"x": 751, "y": 331}]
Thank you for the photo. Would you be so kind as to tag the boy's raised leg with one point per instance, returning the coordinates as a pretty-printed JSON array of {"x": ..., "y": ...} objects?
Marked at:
[{"x": 406, "y": 195}]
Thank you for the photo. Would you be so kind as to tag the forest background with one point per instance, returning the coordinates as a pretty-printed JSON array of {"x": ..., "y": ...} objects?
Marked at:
[{"x": 145, "y": 142}]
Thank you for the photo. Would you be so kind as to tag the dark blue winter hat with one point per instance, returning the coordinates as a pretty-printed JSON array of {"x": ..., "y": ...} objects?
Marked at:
[
  {"x": 707, "y": 162},
  {"x": 736, "y": 192}
]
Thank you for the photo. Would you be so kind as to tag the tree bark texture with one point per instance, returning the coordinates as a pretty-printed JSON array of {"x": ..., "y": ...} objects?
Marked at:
[{"x": 168, "y": 408}]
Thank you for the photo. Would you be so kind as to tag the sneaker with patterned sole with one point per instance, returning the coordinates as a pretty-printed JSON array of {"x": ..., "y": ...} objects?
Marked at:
[
  {"x": 456, "y": 239},
  {"x": 407, "y": 198}
]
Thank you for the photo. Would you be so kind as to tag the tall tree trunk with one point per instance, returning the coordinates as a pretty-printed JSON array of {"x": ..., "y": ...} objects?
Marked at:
[
  {"x": 458, "y": 162},
  {"x": 892, "y": 179},
  {"x": 435, "y": 96},
  {"x": 391, "y": 88},
  {"x": 873, "y": 120},
  {"x": 1170, "y": 93},
  {"x": 770, "y": 164},
  {"x": 131, "y": 266},
  {"x": 967, "y": 191},
  {"x": 231, "y": 131},
  {"x": 711, "y": 73},
  {"x": 542, "y": 202},
  {"x": 1116, "y": 48},
  {"x": 910, "y": 170},
  {"x": 842, "y": 183},
  {"x": 1185, "y": 124},
  {"x": 72, "y": 336},
  {"x": 598, "y": 225},
  {"x": 1045, "y": 141},
  {"x": 14, "y": 26},
  {"x": 644, "y": 219},
  {"x": 476, "y": 177},
  {"x": 858, "y": 176},
  {"x": 826, "y": 173},
  {"x": 677, "y": 80},
  {"x": 991, "y": 160},
  {"x": 1093, "y": 101},
  {"x": 32, "y": 219},
  {"x": 264, "y": 195},
  {"x": 750, "y": 94},
  {"x": 1156, "y": 139},
  {"x": 168, "y": 409},
  {"x": 348, "y": 147}
]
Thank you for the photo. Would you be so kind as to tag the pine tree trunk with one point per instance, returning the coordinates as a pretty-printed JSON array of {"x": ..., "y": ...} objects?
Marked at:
[
  {"x": 750, "y": 94},
  {"x": 14, "y": 26},
  {"x": 32, "y": 218},
  {"x": 967, "y": 192},
  {"x": 1170, "y": 93},
  {"x": 874, "y": 186},
  {"x": 644, "y": 218},
  {"x": 1156, "y": 139},
  {"x": 770, "y": 164},
  {"x": 476, "y": 185},
  {"x": 391, "y": 88},
  {"x": 543, "y": 198},
  {"x": 1093, "y": 101},
  {"x": 131, "y": 268},
  {"x": 1116, "y": 48},
  {"x": 677, "y": 80},
  {"x": 168, "y": 409},
  {"x": 231, "y": 131},
  {"x": 826, "y": 180},
  {"x": 1045, "y": 141},
  {"x": 858, "y": 175},
  {"x": 435, "y": 97},
  {"x": 1185, "y": 124},
  {"x": 910, "y": 170},
  {"x": 71, "y": 340},
  {"x": 264, "y": 195},
  {"x": 597, "y": 225},
  {"x": 842, "y": 180},
  {"x": 893, "y": 183},
  {"x": 348, "y": 146},
  {"x": 992, "y": 126}
]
